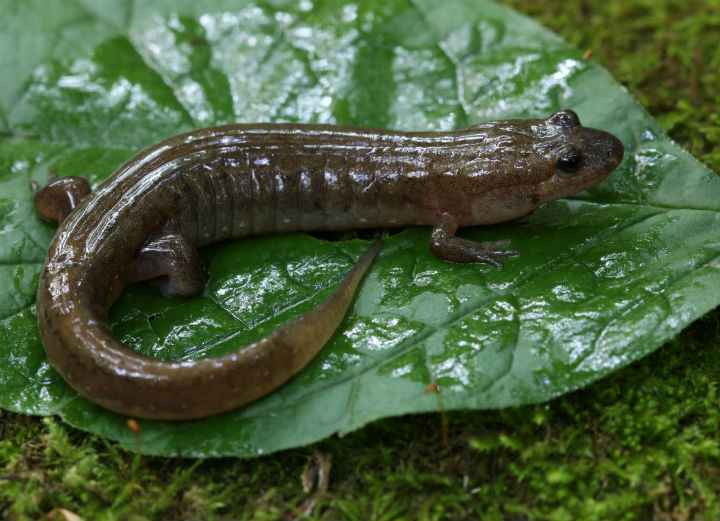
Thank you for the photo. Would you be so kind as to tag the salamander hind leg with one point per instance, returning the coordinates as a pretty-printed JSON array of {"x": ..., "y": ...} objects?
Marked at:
[
  {"x": 445, "y": 245},
  {"x": 59, "y": 196},
  {"x": 171, "y": 263}
]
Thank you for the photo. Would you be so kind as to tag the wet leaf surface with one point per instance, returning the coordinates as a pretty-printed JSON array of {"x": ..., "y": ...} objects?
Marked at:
[{"x": 603, "y": 279}]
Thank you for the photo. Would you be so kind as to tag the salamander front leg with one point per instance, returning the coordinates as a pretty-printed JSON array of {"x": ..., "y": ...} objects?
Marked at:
[
  {"x": 172, "y": 264},
  {"x": 59, "y": 196},
  {"x": 445, "y": 245}
]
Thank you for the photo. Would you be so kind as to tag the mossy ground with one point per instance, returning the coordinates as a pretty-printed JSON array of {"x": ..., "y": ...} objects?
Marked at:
[{"x": 641, "y": 444}]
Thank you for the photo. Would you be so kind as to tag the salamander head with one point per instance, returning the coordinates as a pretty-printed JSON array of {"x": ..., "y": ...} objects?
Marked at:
[{"x": 580, "y": 156}]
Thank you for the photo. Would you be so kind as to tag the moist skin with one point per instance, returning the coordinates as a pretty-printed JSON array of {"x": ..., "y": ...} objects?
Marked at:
[{"x": 147, "y": 219}]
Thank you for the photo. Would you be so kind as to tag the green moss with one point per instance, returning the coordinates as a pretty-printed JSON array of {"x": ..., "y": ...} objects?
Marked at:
[{"x": 641, "y": 444}]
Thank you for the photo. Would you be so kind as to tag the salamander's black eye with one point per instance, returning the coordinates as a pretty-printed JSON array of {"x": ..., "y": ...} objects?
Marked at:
[{"x": 569, "y": 161}]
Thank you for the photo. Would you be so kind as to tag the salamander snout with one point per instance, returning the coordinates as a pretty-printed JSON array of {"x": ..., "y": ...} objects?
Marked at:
[
  {"x": 602, "y": 151},
  {"x": 615, "y": 150}
]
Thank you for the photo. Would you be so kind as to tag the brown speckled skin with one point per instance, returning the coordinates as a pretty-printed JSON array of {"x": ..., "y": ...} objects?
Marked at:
[{"x": 226, "y": 182}]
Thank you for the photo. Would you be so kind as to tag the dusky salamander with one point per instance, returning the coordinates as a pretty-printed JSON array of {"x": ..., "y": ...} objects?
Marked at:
[{"x": 146, "y": 220}]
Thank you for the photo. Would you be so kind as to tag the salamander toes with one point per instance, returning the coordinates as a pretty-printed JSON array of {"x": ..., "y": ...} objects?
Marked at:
[{"x": 59, "y": 196}]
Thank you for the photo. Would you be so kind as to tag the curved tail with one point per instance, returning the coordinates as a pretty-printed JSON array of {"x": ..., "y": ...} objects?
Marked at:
[{"x": 72, "y": 319}]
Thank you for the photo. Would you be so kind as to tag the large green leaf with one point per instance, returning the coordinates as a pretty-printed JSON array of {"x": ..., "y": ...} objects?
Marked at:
[{"x": 603, "y": 279}]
